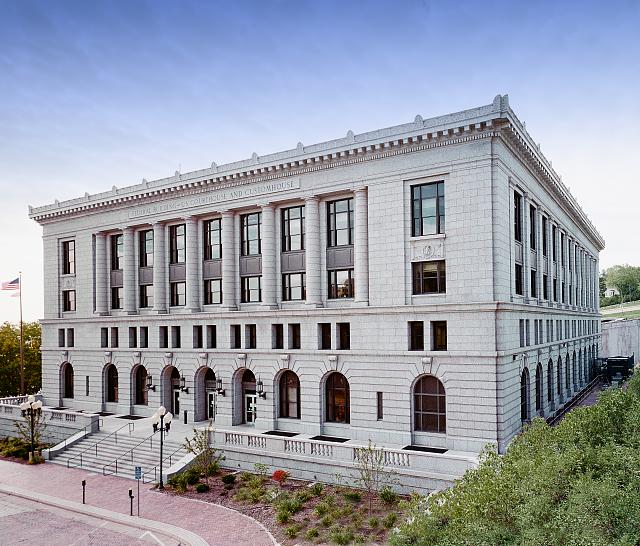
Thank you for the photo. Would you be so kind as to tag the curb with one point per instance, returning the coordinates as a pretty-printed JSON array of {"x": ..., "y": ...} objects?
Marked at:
[{"x": 180, "y": 535}]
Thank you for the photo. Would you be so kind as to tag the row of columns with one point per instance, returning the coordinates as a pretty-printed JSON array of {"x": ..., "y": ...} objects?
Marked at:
[{"x": 193, "y": 280}]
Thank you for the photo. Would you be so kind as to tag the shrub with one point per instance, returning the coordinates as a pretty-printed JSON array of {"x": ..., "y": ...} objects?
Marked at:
[
  {"x": 178, "y": 483},
  {"x": 312, "y": 533},
  {"x": 390, "y": 520},
  {"x": 261, "y": 469},
  {"x": 282, "y": 516},
  {"x": 341, "y": 535},
  {"x": 352, "y": 496},
  {"x": 15, "y": 447},
  {"x": 245, "y": 476},
  {"x": 388, "y": 495},
  {"x": 321, "y": 509},
  {"x": 303, "y": 496},
  {"x": 360, "y": 539},
  {"x": 326, "y": 520},
  {"x": 280, "y": 476},
  {"x": 228, "y": 479},
  {"x": 317, "y": 489},
  {"x": 293, "y": 530},
  {"x": 212, "y": 469},
  {"x": 374, "y": 522},
  {"x": 228, "y": 486},
  {"x": 191, "y": 476},
  {"x": 202, "y": 488},
  {"x": 292, "y": 505}
]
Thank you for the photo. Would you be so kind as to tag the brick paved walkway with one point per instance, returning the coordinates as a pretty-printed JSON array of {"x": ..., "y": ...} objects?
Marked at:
[{"x": 215, "y": 524}]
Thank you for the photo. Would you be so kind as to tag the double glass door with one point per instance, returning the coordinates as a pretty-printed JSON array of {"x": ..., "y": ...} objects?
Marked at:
[
  {"x": 250, "y": 407},
  {"x": 175, "y": 402}
]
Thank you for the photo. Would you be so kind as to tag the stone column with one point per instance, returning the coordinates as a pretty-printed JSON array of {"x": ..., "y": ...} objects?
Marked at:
[
  {"x": 312, "y": 251},
  {"x": 540, "y": 258},
  {"x": 129, "y": 271},
  {"x": 159, "y": 268},
  {"x": 361, "y": 244},
  {"x": 526, "y": 247},
  {"x": 191, "y": 264},
  {"x": 102, "y": 272},
  {"x": 268, "y": 245},
  {"x": 228, "y": 261}
]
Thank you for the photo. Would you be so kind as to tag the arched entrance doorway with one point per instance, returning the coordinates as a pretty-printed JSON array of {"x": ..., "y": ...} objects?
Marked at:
[
  {"x": 171, "y": 389},
  {"x": 247, "y": 400},
  {"x": 66, "y": 380},
  {"x": 111, "y": 384},
  {"x": 139, "y": 394},
  {"x": 205, "y": 396}
]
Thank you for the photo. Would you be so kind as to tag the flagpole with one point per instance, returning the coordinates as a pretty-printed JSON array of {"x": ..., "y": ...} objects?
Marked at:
[{"x": 22, "y": 391}]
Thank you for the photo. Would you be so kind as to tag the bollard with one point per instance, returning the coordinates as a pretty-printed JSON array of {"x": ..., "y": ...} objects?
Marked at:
[
  {"x": 185, "y": 417},
  {"x": 131, "y": 499},
  {"x": 84, "y": 485}
]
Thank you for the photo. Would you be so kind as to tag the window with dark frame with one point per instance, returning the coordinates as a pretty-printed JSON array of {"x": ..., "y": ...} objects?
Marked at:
[
  {"x": 146, "y": 296},
  {"x": 117, "y": 252},
  {"x": 533, "y": 235},
  {"x": 294, "y": 336},
  {"x": 534, "y": 283},
  {"x": 212, "y": 341},
  {"x": 277, "y": 336},
  {"x": 429, "y": 405},
  {"x": 341, "y": 283},
  {"x": 251, "y": 289},
  {"x": 115, "y": 342},
  {"x": 554, "y": 242},
  {"x": 293, "y": 287},
  {"x": 289, "y": 386},
  {"x": 545, "y": 245},
  {"x": 340, "y": 223},
  {"x": 68, "y": 300},
  {"x": 429, "y": 277},
  {"x": 177, "y": 244},
  {"x": 116, "y": 297},
  {"x": 235, "y": 335},
  {"x": 517, "y": 211},
  {"x": 293, "y": 228},
  {"x": 337, "y": 398},
  {"x": 427, "y": 207},
  {"x": 70, "y": 337},
  {"x": 379, "y": 406},
  {"x": 176, "y": 338},
  {"x": 163, "y": 337},
  {"x": 212, "y": 239},
  {"x": 69, "y": 258},
  {"x": 104, "y": 337},
  {"x": 545, "y": 287},
  {"x": 133, "y": 337},
  {"x": 519, "y": 280},
  {"x": 439, "y": 329},
  {"x": 144, "y": 337},
  {"x": 250, "y": 336},
  {"x": 343, "y": 336},
  {"x": 61, "y": 337},
  {"x": 178, "y": 294},
  {"x": 146, "y": 248},
  {"x": 324, "y": 336},
  {"x": 250, "y": 234},
  {"x": 213, "y": 291},
  {"x": 416, "y": 335},
  {"x": 197, "y": 336}
]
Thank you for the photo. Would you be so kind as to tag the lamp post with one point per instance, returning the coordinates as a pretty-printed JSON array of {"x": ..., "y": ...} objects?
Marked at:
[
  {"x": 161, "y": 421},
  {"x": 32, "y": 409}
]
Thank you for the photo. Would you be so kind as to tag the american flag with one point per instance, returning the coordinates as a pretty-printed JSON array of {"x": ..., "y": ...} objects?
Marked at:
[{"x": 11, "y": 285}]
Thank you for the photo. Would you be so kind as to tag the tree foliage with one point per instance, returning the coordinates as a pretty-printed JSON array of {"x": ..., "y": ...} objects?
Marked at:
[
  {"x": 10, "y": 358},
  {"x": 577, "y": 483},
  {"x": 207, "y": 458},
  {"x": 626, "y": 279}
]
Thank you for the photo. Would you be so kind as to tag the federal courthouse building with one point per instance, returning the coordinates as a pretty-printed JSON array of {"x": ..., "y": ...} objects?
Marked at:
[{"x": 429, "y": 286}]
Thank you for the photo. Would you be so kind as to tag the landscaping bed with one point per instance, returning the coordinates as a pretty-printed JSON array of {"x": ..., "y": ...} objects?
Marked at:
[
  {"x": 296, "y": 511},
  {"x": 17, "y": 451}
]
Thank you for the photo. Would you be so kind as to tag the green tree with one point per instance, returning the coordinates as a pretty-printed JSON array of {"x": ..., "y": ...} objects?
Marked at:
[
  {"x": 207, "y": 458},
  {"x": 10, "y": 358},
  {"x": 603, "y": 284},
  {"x": 626, "y": 279}
]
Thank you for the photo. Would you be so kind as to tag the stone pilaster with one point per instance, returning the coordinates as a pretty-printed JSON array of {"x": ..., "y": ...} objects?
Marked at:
[
  {"x": 526, "y": 247},
  {"x": 228, "y": 261},
  {"x": 540, "y": 258},
  {"x": 361, "y": 244},
  {"x": 312, "y": 251},
  {"x": 268, "y": 246},
  {"x": 102, "y": 272},
  {"x": 191, "y": 264},
  {"x": 129, "y": 270},
  {"x": 159, "y": 268}
]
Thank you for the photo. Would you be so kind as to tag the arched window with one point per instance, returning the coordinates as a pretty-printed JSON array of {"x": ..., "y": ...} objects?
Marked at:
[
  {"x": 337, "y": 396},
  {"x": 550, "y": 381},
  {"x": 67, "y": 380},
  {"x": 140, "y": 384},
  {"x": 429, "y": 405},
  {"x": 289, "y": 395},
  {"x": 567, "y": 375},
  {"x": 559, "y": 382},
  {"x": 112, "y": 383},
  {"x": 580, "y": 367},
  {"x": 524, "y": 396},
  {"x": 539, "y": 387},
  {"x": 573, "y": 372}
]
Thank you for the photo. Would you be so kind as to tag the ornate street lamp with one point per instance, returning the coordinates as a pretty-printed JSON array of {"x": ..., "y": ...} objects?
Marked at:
[
  {"x": 219, "y": 388},
  {"x": 32, "y": 409},
  {"x": 161, "y": 421},
  {"x": 260, "y": 389}
]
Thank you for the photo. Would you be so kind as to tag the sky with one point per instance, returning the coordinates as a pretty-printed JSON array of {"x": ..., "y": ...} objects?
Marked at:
[{"x": 103, "y": 93}]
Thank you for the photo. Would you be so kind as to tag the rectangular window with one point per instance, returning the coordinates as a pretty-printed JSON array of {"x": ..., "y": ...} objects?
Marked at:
[
  {"x": 562, "y": 294},
  {"x": 163, "y": 335},
  {"x": 176, "y": 342},
  {"x": 294, "y": 336},
  {"x": 212, "y": 341},
  {"x": 517, "y": 211},
  {"x": 178, "y": 294},
  {"x": 344, "y": 335},
  {"x": 104, "y": 337},
  {"x": 416, "y": 335},
  {"x": 427, "y": 204},
  {"x": 545, "y": 287},
  {"x": 522, "y": 335},
  {"x": 552, "y": 334},
  {"x": 235, "y": 341},
  {"x": 250, "y": 236},
  {"x": 212, "y": 239},
  {"x": 532, "y": 226},
  {"x": 379, "y": 407},
  {"x": 213, "y": 291},
  {"x": 534, "y": 283},
  {"x": 555, "y": 289},
  {"x": 439, "y": 335},
  {"x": 177, "y": 244},
  {"x": 562, "y": 255},
  {"x": 277, "y": 336},
  {"x": 340, "y": 284},
  {"x": 70, "y": 337},
  {"x": 86, "y": 385},
  {"x": 566, "y": 328},
  {"x": 146, "y": 248},
  {"x": 116, "y": 297},
  {"x": 144, "y": 337},
  {"x": 146, "y": 296},
  {"x": 554, "y": 243},
  {"x": 293, "y": 287},
  {"x": 293, "y": 229},
  {"x": 133, "y": 337},
  {"x": 251, "y": 289},
  {"x": 117, "y": 252},
  {"x": 324, "y": 336},
  {"x": 61, "y": 337},
  {"x": 527, "y": 331},
  {"x": 519, "y": 280},
  {"x": 545, "y": 246},
  {"x": 340, "y": 224},
  {"x": 429, "y": 277},
  {"x": 197, "y": 336},
  {"x": 68, "y": 300},
  {"x": 250, "y": 336},
  {"x": 69, "y": 258},
  {"x": 114, "y": 337}
]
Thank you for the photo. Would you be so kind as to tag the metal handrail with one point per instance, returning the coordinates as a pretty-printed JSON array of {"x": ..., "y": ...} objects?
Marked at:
[
  {"x": 95, "y": 446},
  {"x": 115, "y": 461},
  {"x": 155, "y": 468}
]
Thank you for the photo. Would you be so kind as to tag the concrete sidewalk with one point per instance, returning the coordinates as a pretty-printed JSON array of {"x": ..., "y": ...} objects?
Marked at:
[{"x": 107, "y": 498}]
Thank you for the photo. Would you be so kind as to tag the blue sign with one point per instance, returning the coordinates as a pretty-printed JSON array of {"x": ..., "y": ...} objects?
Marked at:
[{"x": 138, "y": 472}]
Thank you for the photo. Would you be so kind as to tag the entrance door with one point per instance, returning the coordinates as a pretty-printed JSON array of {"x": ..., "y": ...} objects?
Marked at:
[
  {"x": 211, "y": 405},
  {"x": 250, "y": 400},
  {"x": 176, "y": 403}
]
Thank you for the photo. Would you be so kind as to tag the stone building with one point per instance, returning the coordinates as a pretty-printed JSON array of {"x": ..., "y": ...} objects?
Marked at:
[{"x": 430, "y": 285}]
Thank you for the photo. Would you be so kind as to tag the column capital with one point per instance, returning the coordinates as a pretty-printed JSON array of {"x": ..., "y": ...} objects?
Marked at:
[
  {"x": 361, "y": 190},
  {"x": 312, "y": 199},
  {"x": 228, "y": 213}
]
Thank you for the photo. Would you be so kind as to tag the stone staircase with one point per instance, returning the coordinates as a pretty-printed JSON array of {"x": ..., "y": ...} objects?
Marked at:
[{"x": 109, "y": 454}]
